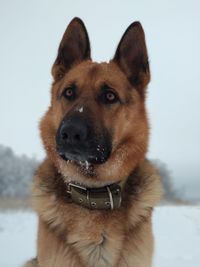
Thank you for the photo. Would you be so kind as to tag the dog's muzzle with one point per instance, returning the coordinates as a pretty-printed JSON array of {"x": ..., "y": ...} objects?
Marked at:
[{"x": 77, "y": 140}]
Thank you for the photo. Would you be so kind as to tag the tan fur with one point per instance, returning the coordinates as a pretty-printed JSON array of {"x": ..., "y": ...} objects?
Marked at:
[{"x": 71, "y": 235}]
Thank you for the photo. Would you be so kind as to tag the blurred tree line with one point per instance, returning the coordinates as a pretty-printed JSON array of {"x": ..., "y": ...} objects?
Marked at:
[
  {"x": 16, "y": 173},
  {"x": 169, "y": 193}
]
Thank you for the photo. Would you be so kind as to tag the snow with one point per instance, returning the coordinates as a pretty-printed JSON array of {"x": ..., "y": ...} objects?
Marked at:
[
  {"x": 79, "y": 109},
  {"x": 176, "y": 230},
  {"x": 17, "y": 237}
]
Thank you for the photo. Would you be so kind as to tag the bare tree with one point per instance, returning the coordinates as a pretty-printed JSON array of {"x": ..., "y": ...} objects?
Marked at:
[
  {"x": 16, "y": 173},
  {"x": 170, "y": 193}
]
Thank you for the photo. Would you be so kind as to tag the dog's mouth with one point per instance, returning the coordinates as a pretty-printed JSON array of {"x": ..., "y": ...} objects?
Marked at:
[
  {"x": 83, "y": 164},
  {"x": 85, "y": 159}
]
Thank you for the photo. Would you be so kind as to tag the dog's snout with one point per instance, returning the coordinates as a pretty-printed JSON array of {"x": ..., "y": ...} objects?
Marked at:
[
  {"x": 77, "y": 139},
  {"x": 73, "y": 132}
]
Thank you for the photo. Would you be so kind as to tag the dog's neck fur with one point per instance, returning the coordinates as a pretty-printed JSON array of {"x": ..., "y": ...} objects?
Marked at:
[
  {"x": 52, "y": 181},
  {"x": 140, "y": 194},
  {"x": 55, "y": 183}
]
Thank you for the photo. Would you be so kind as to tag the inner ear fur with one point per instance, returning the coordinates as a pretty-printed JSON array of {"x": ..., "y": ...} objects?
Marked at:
[
  {"x": 131, "y": 56},
  {"x": 73, "y": 49}
]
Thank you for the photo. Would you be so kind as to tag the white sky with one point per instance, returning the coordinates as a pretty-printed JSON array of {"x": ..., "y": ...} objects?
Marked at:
[{"x": 30, "y": 32}]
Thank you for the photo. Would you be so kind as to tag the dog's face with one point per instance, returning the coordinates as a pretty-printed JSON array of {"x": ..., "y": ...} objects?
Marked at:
[{"x": 96, "y": 129}]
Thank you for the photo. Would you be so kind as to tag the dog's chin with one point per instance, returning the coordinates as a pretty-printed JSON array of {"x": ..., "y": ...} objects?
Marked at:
[{"x": 83, "y": 171}]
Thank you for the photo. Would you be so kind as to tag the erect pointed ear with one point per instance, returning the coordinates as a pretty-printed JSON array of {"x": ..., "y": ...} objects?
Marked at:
[
  {"x": 131, "y": 56},
  {"x": 74, "y": 48}
]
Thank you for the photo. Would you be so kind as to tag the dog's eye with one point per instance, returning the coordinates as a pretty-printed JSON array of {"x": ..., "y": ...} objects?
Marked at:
[
  {"x": 109, "y": 97},
  {"x": 70, "y": 92}
]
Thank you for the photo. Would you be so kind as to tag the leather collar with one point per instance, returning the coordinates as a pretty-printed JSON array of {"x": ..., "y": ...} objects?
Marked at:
[{"x": 101, "y": 198}]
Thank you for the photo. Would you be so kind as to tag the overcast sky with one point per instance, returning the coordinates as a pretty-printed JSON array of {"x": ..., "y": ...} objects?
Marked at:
[{"x": 30, "y": 35}]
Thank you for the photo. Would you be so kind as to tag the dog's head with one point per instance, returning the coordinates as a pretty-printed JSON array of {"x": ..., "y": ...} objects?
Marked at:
[{"x": 96, "y": 129}]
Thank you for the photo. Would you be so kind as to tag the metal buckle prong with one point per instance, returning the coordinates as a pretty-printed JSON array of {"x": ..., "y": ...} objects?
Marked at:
[
  {"x": 111, "y": 198},
  {"x": 88, "y": 196},
  {"x": 69, "y": 185}
]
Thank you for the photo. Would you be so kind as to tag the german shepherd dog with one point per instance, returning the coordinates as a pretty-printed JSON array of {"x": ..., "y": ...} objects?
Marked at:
[{"x": 95, "y": 191}]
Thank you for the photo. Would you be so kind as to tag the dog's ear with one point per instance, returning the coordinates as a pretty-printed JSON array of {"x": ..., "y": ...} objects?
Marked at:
[
  {"x": 74, "y": 48},
  {"x": 131, "y": 56}
]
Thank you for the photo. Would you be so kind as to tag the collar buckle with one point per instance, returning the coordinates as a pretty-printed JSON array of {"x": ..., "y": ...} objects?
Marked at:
[{"x": 70, "y": 185}]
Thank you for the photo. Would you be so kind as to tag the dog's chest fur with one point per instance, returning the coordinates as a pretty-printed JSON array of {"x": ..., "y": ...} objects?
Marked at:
[
  {"x": 97, "y": 241},
  {"x": 96, "y": 237},
  {"x": 93, "y": 238}
]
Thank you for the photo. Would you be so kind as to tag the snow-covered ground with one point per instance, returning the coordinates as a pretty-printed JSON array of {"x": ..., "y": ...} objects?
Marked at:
[
  {"x": 177, "y": 236},
  {"x": 176, "y": 228}
]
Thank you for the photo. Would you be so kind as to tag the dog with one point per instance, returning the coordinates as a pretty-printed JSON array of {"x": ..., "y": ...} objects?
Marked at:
[{"x": 95, "y": 191}]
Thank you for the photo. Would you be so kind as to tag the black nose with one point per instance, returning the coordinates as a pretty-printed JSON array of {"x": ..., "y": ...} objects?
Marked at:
[{"x": 73, "y": 132}]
